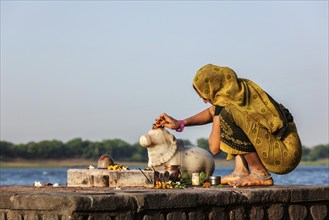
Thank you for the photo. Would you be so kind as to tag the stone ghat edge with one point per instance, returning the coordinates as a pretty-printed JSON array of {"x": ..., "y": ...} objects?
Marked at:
[{"x": 275, "y": 202}]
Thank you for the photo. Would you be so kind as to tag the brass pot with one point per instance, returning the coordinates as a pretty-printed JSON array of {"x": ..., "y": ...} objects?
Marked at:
[{"x": 174, "y": 171}]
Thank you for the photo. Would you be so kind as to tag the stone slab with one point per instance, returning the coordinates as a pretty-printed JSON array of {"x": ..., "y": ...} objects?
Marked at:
[
  {"x": 109, "y": 178},
  {"x": 19, "y": 202}
]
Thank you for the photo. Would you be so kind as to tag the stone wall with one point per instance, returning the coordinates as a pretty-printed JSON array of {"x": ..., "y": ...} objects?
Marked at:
[{"x": 63, "y": 203}]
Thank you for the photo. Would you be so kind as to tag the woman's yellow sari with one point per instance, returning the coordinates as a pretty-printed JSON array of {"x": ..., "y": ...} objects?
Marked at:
[{"x": 250, "y": 113}]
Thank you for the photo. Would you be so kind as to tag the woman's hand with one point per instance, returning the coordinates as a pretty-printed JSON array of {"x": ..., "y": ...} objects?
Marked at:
[
  {"x": 204, "y": 117},
  {"x": 167, "y": 121}
]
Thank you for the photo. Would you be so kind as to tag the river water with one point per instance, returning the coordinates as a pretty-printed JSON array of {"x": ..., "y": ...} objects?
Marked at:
[{"x": 304, "y": 175}]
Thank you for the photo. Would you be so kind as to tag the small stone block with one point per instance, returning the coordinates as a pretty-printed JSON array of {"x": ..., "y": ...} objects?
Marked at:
[
  {"x": 3, "y": 215},
  {"x": 218, "y": 213},
  {"x": 237, "y": 213},
  {"x": 297, "y": 212},
  {"x": 109, "y": 178},
  {"x": 276, "y": 212},
  {"x": 256, "y": 213},
  {"x": 319, "y": 212},
  {"x": 176, "y": 216},
  {"x": 197, "y": 215},
  {"x": 154, "y": 216}
]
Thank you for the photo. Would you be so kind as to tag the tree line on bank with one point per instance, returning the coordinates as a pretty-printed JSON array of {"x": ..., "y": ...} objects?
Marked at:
[{"x": 117, "y": 148}]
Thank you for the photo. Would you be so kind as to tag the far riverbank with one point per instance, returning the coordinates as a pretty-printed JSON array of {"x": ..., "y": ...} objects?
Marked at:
[{"x": 20, "y": 163}]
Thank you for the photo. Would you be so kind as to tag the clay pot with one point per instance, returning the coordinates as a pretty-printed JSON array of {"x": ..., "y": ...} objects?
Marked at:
[{"x": 104, "y": 161}]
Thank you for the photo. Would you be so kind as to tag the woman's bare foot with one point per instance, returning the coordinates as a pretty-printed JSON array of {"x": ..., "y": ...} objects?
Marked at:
[
  {"x": 253, "y": 179},
  {"x": 240, "y": 170},
  {"x": 233, "y": 177}
]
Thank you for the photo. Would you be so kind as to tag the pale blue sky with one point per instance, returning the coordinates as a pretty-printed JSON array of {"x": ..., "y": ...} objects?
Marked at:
[{"x": 105, "y": 69}]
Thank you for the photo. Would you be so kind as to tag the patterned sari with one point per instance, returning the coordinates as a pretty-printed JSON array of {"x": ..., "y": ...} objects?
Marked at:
[{"x": 250, "y": 120}]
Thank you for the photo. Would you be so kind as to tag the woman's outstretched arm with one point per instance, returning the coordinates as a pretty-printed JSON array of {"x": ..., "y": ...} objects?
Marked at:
[{"x": 201, "y": 118}]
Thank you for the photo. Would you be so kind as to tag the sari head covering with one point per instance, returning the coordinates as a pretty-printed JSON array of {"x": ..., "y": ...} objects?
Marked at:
[{"x": 223, "y": 88}]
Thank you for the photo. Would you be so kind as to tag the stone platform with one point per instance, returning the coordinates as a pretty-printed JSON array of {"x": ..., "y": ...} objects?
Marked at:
[
  {"x": 109, "y": 178},
  {"x": 63, "y": 203}
]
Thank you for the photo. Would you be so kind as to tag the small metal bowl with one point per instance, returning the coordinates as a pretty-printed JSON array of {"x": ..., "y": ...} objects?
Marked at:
[{"x": 214, "y": 180}]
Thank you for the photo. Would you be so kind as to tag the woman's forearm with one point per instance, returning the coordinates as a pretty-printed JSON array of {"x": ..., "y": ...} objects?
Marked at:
[
  {"x": 214, "y": 138},
  {"x": 201, "y": 118},
  {"x": 206, "y": 117}
]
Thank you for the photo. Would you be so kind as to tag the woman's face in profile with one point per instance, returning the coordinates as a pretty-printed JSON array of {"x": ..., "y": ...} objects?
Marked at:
[{"x": 205, "y": 100}]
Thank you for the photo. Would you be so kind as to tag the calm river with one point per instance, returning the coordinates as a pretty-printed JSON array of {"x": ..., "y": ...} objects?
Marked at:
[{"x": 304, "y": 175}]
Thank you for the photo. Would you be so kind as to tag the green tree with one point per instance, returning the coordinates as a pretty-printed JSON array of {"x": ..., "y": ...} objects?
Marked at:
[
  {"x": 203, "y": 143},
  {"x": 305, "y": 153},
  {"x": 139, "y": 150},
  {"x": 53, "y": 149},
  {"x": 32, "y": 150},
  {"x": 119, "y": 149},
  {"x": 187, "y": 142},
  {"x": 319, "y": 152},
  {"x": 91, "y": 151},
  {"x": 6, "y": 150},
  {"x": 21, "y": 151},
  {"x": 74, "y": 148}
]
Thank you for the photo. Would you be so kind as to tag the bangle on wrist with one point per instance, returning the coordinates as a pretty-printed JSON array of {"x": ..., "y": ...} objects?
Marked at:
[{"x": 181, "y": 126}]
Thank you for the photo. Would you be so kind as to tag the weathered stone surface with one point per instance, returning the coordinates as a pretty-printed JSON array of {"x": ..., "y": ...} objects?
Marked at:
[
  {"x": 218, "y": 213},
  {"x": 35, "y": 201},
  {"x": 20, "y": 214},
  {"x": 5, "y": 200},
  {"x": 154, "y": 216},
  {"x": 176, "y": 216},
  {"x": 104, "y": 202},
  {"x": 256, "y": 213},
  {"x": 237, "y": 213},
  {"x": 297, "y": 212},
  {"x": 102, "y": 216},
  {"x": 15, "y": 215},
  {"x": 319, "y": 212},
  {"x": 197, "y": 215},
  {"x": 197, "y": 197},
  {"x": 109, "y": 178},
  {"x": 308, "y": 193},
  {"x": 219, "y": 197},
  {"x": 3, "y": 215},
  {"x": 18, "y": 202},
  {"x": 276, "y": 212},
  {"x": 267, "y": 194},
  {"x": 160, "y": 198}
]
